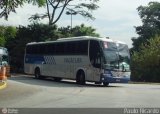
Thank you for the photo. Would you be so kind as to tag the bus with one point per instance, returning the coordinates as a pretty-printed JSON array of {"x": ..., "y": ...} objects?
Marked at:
[
  {"x": 85, "y": 58},
  {"x": 4, "y": 61}
]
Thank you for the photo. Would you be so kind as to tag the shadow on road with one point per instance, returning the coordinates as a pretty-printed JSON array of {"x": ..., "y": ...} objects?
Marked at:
[{"x": 49, "y": 82}]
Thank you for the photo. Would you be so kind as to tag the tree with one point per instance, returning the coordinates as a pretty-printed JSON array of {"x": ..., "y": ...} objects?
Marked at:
[
  {"x": 146, "y": 62},
  {"x": 55, "y": 9},
  {"x": 150, "y": 16},
  {"x": 7, "y": 33},
  {"x": 81, "y": 30},
  {"x": 2, "y": 38},
  {"x": 7, "y": 6},
  {"x": 32, "y": 33}
]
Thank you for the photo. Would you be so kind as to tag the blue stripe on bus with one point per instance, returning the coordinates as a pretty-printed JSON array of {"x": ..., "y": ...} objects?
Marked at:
[
  {"x": 39, "y": 59},
  {"x": 111, "y": 79}
]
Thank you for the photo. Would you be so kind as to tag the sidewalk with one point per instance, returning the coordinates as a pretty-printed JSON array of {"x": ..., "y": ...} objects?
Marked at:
[{"x": 2, "y": 85}]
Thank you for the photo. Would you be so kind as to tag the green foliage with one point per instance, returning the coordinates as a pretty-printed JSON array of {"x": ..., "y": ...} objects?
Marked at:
[
  {"x": 7, "y": 6},
  {"x": 2, "y": 37},
  {"x": 81, "y": 30},
  {"x": 150, "y": 16},
  {"x": 146, "y": 62},
  {"x": 145, "y": 52},
  {"x": 6, "y": 34},
  {"x": 55, "y": 9},
  {"x": 10, "y": 32},
  {"x": 2, "y": 41},
  {"x": 40, "y": 3},
  {"x": 31, "y": 33}
]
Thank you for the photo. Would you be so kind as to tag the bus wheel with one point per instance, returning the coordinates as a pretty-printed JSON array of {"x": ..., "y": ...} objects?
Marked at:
[
  {"x": 37, "y": 73},
  {"x": 57, "y": 79},
  {"x": 80, "y": 79},
  {"x": 105, "y": 83}
]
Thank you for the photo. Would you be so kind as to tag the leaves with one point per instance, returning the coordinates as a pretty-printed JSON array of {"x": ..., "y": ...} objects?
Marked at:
[
  {"x": 150, "y": 16},
  {"x": 150, "y": 13},
  {"x": 55, "y": 9},
  {"x": 40, "y": 3},
  {"x": 8, "y": 6},
  {"x": 147, "y": 60},
  {"x": 7, "y": 34},
  {"x": 90, "y": 6},
  {"x": 81, "y": 30},
  {"x": 146, "y": 48}
]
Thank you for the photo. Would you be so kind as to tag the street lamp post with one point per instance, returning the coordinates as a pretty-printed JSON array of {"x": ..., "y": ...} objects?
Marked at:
[{"x": 71, "y": 13}]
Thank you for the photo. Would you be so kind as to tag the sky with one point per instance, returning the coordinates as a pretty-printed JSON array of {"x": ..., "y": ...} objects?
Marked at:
[{"x": 115, "y": 19}]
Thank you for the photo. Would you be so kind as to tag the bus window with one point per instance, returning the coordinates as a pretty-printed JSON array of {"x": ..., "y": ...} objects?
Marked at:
[
  {"x": 94, "y": 53},
  {"x": 81, "y": 48},
  {"x": 60, "y": 48},
  {"x": 70, "y": 48}
]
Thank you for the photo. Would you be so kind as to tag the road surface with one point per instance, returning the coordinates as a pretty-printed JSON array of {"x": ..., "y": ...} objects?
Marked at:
[{"x": 25, "y": 91}]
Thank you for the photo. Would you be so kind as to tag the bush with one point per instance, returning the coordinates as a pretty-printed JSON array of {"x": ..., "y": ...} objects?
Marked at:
[{"x": 145, "y": 64}]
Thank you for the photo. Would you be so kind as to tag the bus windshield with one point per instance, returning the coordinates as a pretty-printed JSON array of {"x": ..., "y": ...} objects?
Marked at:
[
  {"x": 116, "y": 56},
  {"x": 124, "y": 57},
  {"x": 110, "y": 55}
]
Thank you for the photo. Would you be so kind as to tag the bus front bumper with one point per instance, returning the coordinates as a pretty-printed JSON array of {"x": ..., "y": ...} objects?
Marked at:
[{"x": 111, "y": 79}]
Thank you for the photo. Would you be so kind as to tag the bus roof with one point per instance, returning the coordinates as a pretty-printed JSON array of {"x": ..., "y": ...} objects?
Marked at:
[
  {"x": 120, "y": 42},
  {"x": 75, "y": 39},
  {"x": 83, "y": 38}
]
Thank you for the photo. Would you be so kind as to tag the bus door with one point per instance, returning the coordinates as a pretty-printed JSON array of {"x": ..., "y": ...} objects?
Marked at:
[{"x": 95, "y": 60}]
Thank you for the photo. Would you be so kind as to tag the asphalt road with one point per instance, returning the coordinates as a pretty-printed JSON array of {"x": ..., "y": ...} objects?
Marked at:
[{"x": 27, "y": 92}]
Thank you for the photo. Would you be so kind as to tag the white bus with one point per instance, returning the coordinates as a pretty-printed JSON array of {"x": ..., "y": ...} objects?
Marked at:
[
  {"x": 4, "y": 59},
  {"x": 84, "y": 58}
]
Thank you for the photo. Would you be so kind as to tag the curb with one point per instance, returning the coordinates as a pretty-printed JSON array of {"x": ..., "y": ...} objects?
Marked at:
[{"x": 3, "y": 85}]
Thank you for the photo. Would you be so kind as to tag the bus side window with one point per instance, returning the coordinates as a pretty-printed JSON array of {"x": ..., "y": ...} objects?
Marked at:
[
  {"x": 69, "y": 48},
  {"x": 94, "y": 53}
]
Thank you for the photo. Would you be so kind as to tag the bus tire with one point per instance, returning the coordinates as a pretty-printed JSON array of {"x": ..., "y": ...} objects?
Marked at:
[
  {"x": 105, "y": 83},
  {"x": 37, "y": 73},
  {"x": 80, "y": 78},
  {"x": 57, "y": 79}
]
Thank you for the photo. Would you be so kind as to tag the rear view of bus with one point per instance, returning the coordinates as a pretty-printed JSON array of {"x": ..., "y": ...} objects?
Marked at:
[{"x": 116, "y": 66}]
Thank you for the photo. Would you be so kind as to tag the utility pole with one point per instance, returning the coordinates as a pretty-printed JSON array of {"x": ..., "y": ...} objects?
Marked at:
[{"x": 71, "y": 12}]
